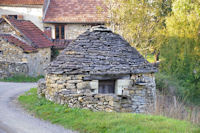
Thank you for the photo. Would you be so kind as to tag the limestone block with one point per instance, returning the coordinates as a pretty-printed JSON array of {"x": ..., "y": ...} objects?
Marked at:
[
  {"x": 74, "y": 81},
  {"x": 108, "y": 110},
  {"x": 65, "y": 78},
  {"x": 70, "y": 86},
  {"x": 82, "y": 85},
  {"x": 122, "y": 84},
  {"x": 79, "y": 77},
  {"x": 111, "y": 103},
  {"x": 60, "y": 86},
  {"x": 94, "y": 85},
  {"x": 108, "y": 98},
  {"x": 60, "y": 81},
  {"x": 54, "y": 78}
]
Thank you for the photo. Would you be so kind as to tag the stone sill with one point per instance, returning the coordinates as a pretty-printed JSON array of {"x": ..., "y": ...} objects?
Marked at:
[{"x": 141, "y": 84}]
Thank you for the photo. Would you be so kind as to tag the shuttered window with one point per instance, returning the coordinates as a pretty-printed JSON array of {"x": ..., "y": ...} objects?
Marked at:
[
  {"x": 60, "y": 32},
  {"x": 106, "y": 86}
]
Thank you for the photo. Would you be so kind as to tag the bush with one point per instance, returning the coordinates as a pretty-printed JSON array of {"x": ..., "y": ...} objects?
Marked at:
[
  {"x": 181, "y": 50},
  {"x": 171, "y": 101}
]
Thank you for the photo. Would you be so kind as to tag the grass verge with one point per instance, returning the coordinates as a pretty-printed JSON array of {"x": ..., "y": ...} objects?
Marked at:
[
  {"x": 102, "y": 122},
  {"x": 21, "y": 78}
]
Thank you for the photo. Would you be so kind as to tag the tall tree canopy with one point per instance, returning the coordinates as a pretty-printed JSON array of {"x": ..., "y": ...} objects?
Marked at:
[
  {"x": 141, "y": 22},
  {"x": 181, "y": 49}
]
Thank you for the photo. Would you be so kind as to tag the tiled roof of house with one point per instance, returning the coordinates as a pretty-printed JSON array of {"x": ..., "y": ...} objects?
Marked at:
[
  {"x": 75, "y": 11},
  {"x": 31, "y": 32},
  {"x": 15, "y": 41},
  {"x": 61, "y": 44},
  {"x": 21, "y": 2}
]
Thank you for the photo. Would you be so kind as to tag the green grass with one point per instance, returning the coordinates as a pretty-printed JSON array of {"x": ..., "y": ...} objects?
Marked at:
[
  {"x": 102, "y": 122},
  {"x": 21, "y": 78}
]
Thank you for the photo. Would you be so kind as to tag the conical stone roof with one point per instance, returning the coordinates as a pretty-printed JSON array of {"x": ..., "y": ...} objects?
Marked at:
[{"x": 99, "y": 51}]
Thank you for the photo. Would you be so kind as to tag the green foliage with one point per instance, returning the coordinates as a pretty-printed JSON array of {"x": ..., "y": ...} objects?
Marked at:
[
  {"x": 54, "y": 53},
  {"x": 101, "y": 122},
  {"x": 171, "y": 27},
  {"x": 169, "y": 85},
  {"x": 181, "y": 50},
  {"x": 140, "y": 22},
  {"x": 150, "y": 58},
  {"x": 21, "y": 78}
]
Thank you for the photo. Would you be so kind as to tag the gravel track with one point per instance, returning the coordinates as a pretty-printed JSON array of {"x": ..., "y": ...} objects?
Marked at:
[{"x": 13, "y": 119}]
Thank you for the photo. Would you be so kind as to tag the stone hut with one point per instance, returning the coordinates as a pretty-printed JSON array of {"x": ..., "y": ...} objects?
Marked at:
[{"x": 102, "y": 72}]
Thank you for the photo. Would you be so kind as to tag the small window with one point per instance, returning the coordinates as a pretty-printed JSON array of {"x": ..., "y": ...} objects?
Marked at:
[
  {"x": 13, "y": 16},
  {"x": 60, "y": 32},
  {"x": 106, "y": 86}
]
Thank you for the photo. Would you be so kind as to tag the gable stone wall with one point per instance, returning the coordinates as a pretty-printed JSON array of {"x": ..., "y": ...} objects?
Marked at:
[{"x": 36, "y": 62}]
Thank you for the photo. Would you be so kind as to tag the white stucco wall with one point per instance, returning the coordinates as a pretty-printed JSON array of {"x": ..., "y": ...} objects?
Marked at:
[{"x": 33, "y": 14}]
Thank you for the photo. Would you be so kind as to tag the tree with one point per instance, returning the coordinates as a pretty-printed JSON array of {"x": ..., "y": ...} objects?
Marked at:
[
  {"x": 141, "y": 22},
  {"x": 181, "y": 49}
]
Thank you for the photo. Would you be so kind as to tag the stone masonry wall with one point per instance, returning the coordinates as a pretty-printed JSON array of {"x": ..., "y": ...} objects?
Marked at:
[
  {"x": 132, "y": 94},
  {"x": 36, "y": 61},
  {"x": 72, "y": 31},
  {"x": 10, "y": 53},
  {"x": 8, "y": 69}
]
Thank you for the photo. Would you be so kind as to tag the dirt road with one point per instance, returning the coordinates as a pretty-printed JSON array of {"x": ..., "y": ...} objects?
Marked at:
[{"x": 13, "y": 119}]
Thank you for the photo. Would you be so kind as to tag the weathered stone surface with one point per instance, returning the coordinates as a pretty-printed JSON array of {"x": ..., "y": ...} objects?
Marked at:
[
  {"x": 9, "y": 69},
  {"x": 135, "y": 98},
  {"x": 36, "y": 61},
  {"x": 41, "y": 88}
]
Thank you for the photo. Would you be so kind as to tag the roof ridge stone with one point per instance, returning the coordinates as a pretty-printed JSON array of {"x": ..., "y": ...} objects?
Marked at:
[{"x": 101, "y": 28}]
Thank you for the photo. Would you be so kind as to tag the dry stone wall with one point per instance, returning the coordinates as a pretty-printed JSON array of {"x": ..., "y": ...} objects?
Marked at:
[
  {"x": 10, "y": 53},
  {"x": 132, "y": 94},
  {"x": 9, "y": 69}
]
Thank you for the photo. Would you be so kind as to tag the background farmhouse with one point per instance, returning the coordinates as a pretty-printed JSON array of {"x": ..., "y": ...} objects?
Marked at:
[{"x": 44, "y": 27}]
